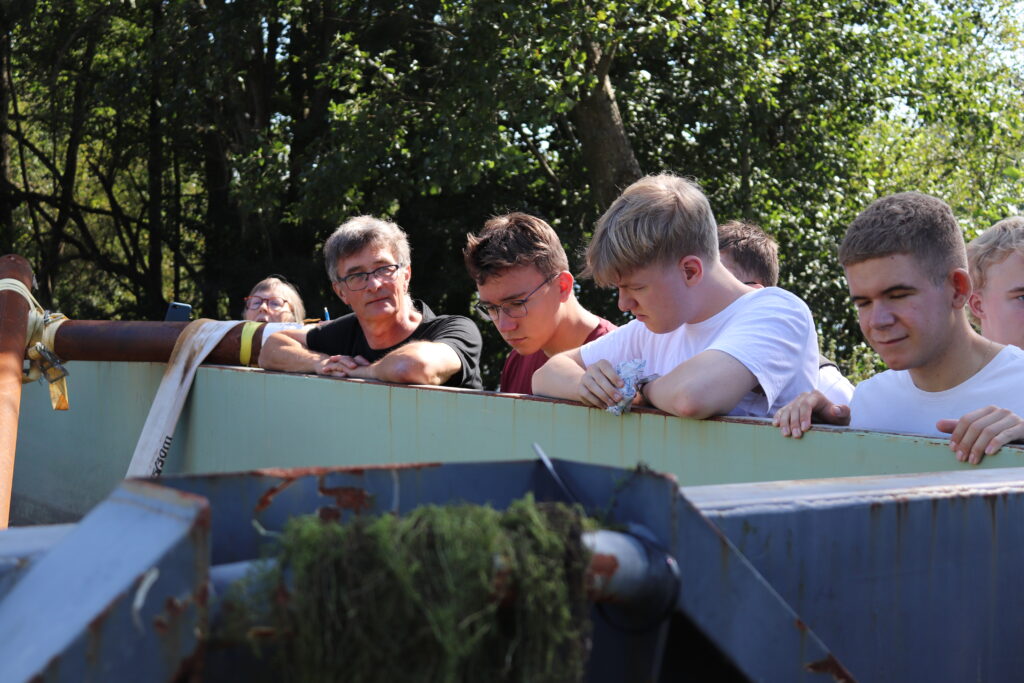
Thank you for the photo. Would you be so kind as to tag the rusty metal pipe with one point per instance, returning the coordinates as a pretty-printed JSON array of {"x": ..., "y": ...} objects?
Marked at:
[
  {"x": 141, "y": 341},
  {"x": 628, "y": 569},
  {"x": 14, "y": 311}
]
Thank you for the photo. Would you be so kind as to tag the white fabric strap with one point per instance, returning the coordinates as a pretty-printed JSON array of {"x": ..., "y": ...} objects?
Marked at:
[
  {"x": 194, "y": 344},
  {"x": 35, "y": 311},
  {"x": 40, "y": 335},
  {"x": 15, "y": 285}
]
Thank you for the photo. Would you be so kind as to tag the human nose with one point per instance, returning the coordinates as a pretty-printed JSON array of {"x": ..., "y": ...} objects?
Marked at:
[
  {"x": 880, "y": 316},
  {"x": 626, "y": 302},
  {"x": 504, "y": 321}
]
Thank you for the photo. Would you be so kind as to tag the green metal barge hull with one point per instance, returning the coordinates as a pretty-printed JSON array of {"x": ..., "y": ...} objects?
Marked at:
[{"x": 239, "y": 419}]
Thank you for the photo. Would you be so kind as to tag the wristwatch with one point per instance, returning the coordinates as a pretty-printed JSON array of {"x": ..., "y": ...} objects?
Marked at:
[{"x": 642, "y": 382}]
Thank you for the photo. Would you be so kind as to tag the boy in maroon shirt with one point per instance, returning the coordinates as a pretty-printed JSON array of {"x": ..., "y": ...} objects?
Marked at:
[{"x": 522, "y": 275}]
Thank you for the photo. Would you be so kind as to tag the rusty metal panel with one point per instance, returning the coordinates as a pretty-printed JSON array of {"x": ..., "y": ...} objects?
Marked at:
[
  {"x": 907, "y": 577},
  {"x": 122, "y": 596},
  {"x": 721, "y": 592}
]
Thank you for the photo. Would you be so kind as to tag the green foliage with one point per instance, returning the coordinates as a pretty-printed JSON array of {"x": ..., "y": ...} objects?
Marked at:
[
  {"x": 458, "y": 593},
  {"x": 174, "y": 149}
]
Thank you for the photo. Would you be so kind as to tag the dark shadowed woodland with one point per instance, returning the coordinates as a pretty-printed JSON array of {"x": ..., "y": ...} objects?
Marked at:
[{"x": 158, "y": 150}]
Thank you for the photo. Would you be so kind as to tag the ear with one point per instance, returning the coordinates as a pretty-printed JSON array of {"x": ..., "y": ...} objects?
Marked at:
[
  {"x": 961, "y": 281},
  {"x": 976, "y": 305},
  {"x": 692, "y": 270},
  {"x": 565, "y": 282}
]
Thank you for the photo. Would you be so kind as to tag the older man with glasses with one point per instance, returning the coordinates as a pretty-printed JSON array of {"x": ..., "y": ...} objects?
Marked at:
[
  {"x": 525, "y": 287},
  {"x": 388, "y": 336}
]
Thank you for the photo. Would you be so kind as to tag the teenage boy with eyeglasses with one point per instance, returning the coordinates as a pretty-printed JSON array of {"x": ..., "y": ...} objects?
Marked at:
[
  {"x": 719, "y": 346},
  {"x": 388, "y": 336},
  {"x": 525, "y": 287},
  {"x": 906, "y": 266}
]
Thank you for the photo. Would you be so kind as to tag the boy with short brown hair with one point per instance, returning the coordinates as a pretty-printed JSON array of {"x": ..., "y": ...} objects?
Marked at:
[
  {"x": 905, "y": 262},
  {"x": 525, "y": 288},
  {"x": 752, "y": 255}
]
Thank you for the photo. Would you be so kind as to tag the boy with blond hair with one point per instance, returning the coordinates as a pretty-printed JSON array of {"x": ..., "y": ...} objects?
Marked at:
[
  {"x": 996, "y": 261},
  {"x": 718, "y": 346},
  {"x": 906, "y": 266}
]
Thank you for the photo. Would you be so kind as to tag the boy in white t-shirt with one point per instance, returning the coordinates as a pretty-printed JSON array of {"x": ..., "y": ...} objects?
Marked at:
[
  {"x": 996, "y": 261},
  {"x": 905, "y": 263},
  {"x": 753, "y": 257},
  {"x": 719, "y": 346}
]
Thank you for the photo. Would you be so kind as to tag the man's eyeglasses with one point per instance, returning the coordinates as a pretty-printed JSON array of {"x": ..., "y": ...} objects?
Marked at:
[
  {"x": 274, "y": 303},
  {"x": 358, "y": 281},
  {"x": 512, "y": 309}
]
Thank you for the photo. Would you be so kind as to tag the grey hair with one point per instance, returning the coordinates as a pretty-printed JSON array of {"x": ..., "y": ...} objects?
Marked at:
[
  {"x": 360, "y": 232},
  {"x": 291, "y": 295}
]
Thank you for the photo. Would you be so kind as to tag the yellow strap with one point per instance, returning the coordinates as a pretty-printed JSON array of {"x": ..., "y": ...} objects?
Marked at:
[{"x": 245, "y": 350}]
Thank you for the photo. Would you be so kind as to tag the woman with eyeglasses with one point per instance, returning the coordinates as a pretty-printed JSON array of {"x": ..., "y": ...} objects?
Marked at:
[{"x": 274, "y": 300}]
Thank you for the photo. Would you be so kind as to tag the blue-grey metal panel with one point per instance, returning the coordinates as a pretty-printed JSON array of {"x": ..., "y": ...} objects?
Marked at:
[
  {"x": 121, "y": 597},
  {"x": 721, "y": 592},
  {"x": 906, "y": 577},
  {"x": 19, "y": 547}
]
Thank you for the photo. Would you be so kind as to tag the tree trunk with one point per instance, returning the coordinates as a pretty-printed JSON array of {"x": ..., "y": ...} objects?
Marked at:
[
  {"x": 607, "y": 152},
  {"x": 221, "y": 225},
  {"x": 7, "y": 188},
  {"x": 155, "y": 303}
]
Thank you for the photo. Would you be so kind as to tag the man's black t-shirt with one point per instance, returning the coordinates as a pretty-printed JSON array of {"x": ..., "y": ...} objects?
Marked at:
[{"x": 345, "y": 337}]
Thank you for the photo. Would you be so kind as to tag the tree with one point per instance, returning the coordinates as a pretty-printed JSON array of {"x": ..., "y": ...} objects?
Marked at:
[{"x": 174, "y": 149}]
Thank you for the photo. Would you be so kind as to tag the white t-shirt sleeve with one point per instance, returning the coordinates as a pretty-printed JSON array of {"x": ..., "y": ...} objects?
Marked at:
[
  {"x": 774, "y": 338},
  {"x": 271, "y": 328},
  {"x": 859, "y": 405},
  {"x": 618, "y": 345},
  {"x": 834, "y": 385}
]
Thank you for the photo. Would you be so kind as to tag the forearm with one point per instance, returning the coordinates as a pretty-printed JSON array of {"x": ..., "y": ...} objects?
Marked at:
[
  {"x": 421, "y": 363},
  {"x": 683, "y": 400},
  {"x": 289, "y": 355},
  {"x": 709, "y": 384},
  {"x": 559, "y": 378}
]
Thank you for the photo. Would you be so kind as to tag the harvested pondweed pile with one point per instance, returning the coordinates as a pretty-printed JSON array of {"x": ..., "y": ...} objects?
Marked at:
[{"x": 456, "y": 593}]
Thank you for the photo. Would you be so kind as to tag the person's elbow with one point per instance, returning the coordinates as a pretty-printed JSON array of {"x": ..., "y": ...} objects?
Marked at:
[
  {"x": 411, "y": 370},
  {"x": 697, "y": 402},
  {"x": 539, "y": 379},
  {"x": 692, "y": 406},
  {"x": 546, "y": 381}
]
